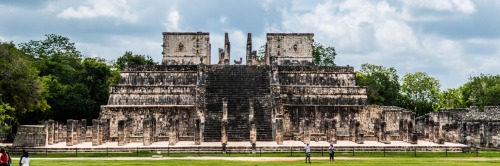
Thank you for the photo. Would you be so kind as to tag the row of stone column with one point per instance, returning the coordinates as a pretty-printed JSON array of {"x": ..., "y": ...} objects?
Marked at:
[
  {"x": 74, "y": 132},
  {"x": 125, "y": 132}
]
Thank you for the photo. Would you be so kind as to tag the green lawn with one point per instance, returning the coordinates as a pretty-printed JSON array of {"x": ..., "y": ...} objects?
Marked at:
[
  {"x": 385, "y": 162},
  {"x": 409, "y": 154}
]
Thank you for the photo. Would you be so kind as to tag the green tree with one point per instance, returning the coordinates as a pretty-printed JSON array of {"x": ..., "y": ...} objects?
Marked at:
[
  {"x": 98, "y": 77},
  {"x": 451, "y": 98},
  {"x": 382, "y": 84},
  {"x": 130, "y": 59},
  {"x": 323, "y": 56},
  {"x": 482, "y": 90},
  {"x": 420, "y": 92},
  {"x": 21, "y": 90},
  {"x": 76, "y": 86}
]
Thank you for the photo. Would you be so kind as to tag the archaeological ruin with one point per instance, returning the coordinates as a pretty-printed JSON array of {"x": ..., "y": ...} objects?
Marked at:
[{"x": 281, "y": 97}]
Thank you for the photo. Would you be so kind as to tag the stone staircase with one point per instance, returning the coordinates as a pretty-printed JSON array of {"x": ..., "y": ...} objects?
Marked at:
[{"x": 237, "y": 84}]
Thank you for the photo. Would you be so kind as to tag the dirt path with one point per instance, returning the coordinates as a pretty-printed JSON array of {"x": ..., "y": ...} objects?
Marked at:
[{"x": 250, "y": 158}]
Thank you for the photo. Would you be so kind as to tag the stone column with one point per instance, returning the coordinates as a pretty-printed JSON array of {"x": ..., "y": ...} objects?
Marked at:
[
  {"x": 386, "y": 135},
  {"x": 279, "y": 131},
  {"x": 50, "y": 131},
  {"x": 401, "y": 130},
  {"x": 95, "y": 132},
  {"x": 440, "y": 135},
  {"x": 172, "y": 138},
  {"x": 146, "y": 130},
  {"x": 352, "y": 127},
  {"x": 76, "y": 132},
  {"x": 224, "y": 125},
  {"x": 83, "y": 133},
  {"x": 63, "y": 133},
  {"x": 69, "y": 132},
  {"x": 359, "y": 136},
  {"x": 332, "y": 132},
  {"x": 413, "y": 139},
  {"x": 197, "y": 134},
  {"x": 307, "y": 133},
  {"x": 104, "y": 132},
  {"x": 121, "y": 133},
  {"x": 56, "y": 132},
  {"x": 253, "y": 128},
  {"x": 128, "y": 130}
]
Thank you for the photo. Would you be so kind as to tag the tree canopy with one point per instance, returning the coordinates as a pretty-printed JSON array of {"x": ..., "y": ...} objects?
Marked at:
[
  {"x": 420, "y": 92},
  {"x": 322, "y": 55},
  {"x": 130, "y": 59},
  {"x": 382, "y": 84},
  {"x": 482, "y": 90},
  {"x": 21, "y": 90},
  {"x": 76, "y": 86}
]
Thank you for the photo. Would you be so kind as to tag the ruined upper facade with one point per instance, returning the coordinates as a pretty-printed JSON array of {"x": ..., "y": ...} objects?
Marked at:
[
  {"x": 186, "y": 48},
  {"x": 284, "y": 96}
]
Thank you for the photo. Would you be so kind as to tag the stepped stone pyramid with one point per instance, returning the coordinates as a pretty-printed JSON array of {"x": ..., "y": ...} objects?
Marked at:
[
  {"x": 283, "y": 96},
  {"x": 183, "y": 99}
]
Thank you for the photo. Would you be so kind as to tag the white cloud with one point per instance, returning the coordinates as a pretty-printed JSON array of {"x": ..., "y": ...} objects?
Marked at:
[
  {"x": 173, "y": 20},
  {"x": 376, "y": 32},
  {"x": 395, "y": 36},
  {"x": 463, "y": 6},
  {"x": 118, "y": 9}
]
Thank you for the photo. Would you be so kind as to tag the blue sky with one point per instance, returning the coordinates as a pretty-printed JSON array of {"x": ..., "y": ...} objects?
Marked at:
[{"x": 449, "y": 39}]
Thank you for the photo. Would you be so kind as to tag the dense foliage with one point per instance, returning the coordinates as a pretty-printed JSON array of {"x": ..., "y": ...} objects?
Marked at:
[
  {"x": 51, "y": 79},
  {"x": 421, "y": 93}
]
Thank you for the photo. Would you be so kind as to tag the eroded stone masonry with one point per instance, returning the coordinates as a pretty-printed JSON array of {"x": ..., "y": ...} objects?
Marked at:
[{"x": 281, "y": 97}]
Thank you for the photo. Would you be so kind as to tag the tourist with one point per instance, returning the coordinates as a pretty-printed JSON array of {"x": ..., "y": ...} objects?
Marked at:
[
  {"x": 308, "y": 152},
  {"x": 25, "y": 159},
  {"x": 10, "y": 159},
  {"x": 332, "y": 152},
  {"x": 4, "y": 158},
  {"x": 21, "y": 159}
]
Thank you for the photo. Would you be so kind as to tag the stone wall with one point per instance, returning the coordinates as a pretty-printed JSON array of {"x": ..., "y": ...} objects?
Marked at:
[
  {"x": 156, "y": 85},
  {"x": 186, "y": 48},
  {"x": 347, "y": 122},
  {"x": 31, "y": 136},
  {"x": 289, "y": 48},
  {"x": 464, "y": 125},
  {"x": 162, "y": 117}
]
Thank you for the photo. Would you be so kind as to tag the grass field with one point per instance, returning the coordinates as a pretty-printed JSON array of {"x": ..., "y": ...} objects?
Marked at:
[
  {"x": 409, "y": 154},
  {"x": 365, "y": 162}
]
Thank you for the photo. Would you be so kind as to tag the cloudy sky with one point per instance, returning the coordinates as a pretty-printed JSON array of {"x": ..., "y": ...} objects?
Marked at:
[{"x": 449, "y": 39}]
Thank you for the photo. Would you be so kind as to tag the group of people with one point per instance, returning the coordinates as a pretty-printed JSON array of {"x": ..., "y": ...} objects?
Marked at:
[
  {"x": 6, "y": 160},
  {"x": 331, "y": 151}
]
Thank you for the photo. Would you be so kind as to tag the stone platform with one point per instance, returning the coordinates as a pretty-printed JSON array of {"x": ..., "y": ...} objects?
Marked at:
[{"x": 245, "y": 147}]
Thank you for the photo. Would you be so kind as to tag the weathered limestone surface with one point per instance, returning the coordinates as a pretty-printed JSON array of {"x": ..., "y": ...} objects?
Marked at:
[
  {"x": 465, "y": 125},
  {"x": 186, "y": 48},
  {"x": 282, "y": 97},
  {"x": 30, "y": 136},
  {"x": 289, "y": 48}
]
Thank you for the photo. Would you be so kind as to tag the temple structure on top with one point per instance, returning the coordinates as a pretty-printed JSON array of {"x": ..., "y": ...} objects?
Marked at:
[{"x": 283, "y": 96}]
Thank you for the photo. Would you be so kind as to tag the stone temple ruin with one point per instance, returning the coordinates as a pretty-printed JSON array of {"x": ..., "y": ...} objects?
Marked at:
[{"x": 284, "y": 96}]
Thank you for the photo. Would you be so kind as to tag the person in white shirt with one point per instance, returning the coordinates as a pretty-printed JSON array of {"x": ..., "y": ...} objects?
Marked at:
[
  {"x": 25, "y": 160},
  {"x": 308, "y": 153}
]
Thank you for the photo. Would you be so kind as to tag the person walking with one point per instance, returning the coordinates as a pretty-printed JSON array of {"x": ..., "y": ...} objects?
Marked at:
[
  {"x": 4, "y": 158},
  {"x": 25, "y": 159},
  {"x": 10, "y": 159},
  {"x": 308, "y": 153},
  {"x": 332, "y": 153}
]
